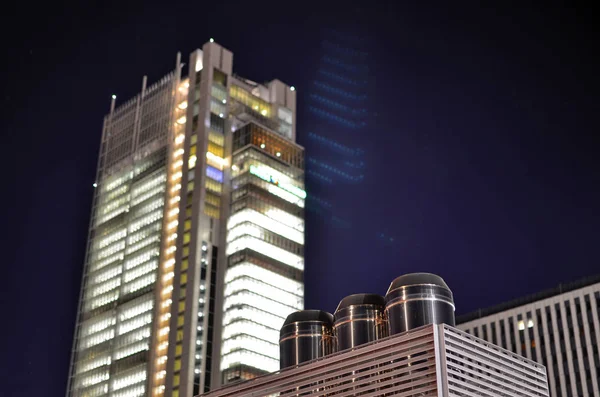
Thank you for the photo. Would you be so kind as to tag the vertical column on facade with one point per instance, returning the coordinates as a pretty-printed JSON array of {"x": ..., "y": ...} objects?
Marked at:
[
  {"x": 441, "y": 363},
  {"x": 550, "y": 364},
  {"x": 187, "y": 272},
  {"x": 527, "y": 339},
  {"x": 503, "y": 325},
  {"x": 578, "y": 346},
  {"x": 164, "y": 282},
  {"x": 497, "y": 332},
  {"x": 563, "y": 315},
  {"x": 137, "y": 126},
  {"x": 559, "y": 353},
  {"x": 515, "y": 331},
  {"x": 596, "y": 322}
]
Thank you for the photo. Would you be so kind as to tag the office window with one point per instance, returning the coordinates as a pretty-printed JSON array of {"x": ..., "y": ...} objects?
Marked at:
[
  {"x": 493, "y": 331},
  {"x": 212, "y": 211},
  {"x": 511, "y": 330},
  {"x": 503, "y": 333}
]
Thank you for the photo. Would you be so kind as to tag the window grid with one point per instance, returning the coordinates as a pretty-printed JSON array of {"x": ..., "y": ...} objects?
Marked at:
[{"x": 559, "y": 332}]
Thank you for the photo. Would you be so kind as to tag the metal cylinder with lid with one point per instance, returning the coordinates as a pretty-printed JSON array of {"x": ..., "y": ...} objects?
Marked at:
[
  {"x": 417, "y": 299},
  {"x": 304, "y": 336},
  {"x": 359, "y": 319}
]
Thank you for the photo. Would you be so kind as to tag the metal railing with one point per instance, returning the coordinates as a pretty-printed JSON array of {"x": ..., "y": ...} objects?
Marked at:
[{"x": 434, "y": 360}]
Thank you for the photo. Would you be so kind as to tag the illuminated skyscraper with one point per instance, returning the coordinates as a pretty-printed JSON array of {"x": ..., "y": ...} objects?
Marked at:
[{"x": 195, "y": 250}]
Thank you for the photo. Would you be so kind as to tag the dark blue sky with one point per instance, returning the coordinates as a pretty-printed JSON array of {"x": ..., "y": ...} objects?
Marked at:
[{"x": 481, "y": 149}]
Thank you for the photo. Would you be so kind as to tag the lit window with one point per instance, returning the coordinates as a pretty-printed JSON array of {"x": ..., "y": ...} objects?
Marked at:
[
  {"x": 192, "y": 161},
  {"x": 267, "y": 249},
  {"x": 271, "y": 175},
  {"x": 215, "y": 160},
  {"x": 247, "y": 218},
  {"x": 251, "y": 328},
  {"x": 529, "y": 323},
  {"x": 248, "y": 312},
  {"x": 250, "y": 358},
  {"x": 259, "y": 302}
]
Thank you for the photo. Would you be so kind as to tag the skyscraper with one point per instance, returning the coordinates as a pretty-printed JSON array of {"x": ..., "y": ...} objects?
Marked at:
[{"x": 195, "y": 249}]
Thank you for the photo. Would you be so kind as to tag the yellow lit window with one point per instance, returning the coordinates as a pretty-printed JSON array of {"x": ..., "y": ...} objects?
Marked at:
[
  {"x": 192, "y": 161},
  {"x": 183, "y": 279},
  {"x": 186, "y": 238},
  {"x": 257, "y": 104},
  {"x": 175, "y": 393},
  {"x": 190, "y": 186},
  {"x": 182, "y": 293},
  {"x": 179, "y": 336},
  {"x": 214, "y": 161},
  {"x": 193, "y": 150},
  {"x": 180, "y": 320},
  {"x": 212, "y": 211},
  {"x": 215, "y": 149},
  {"x": 213, "y": 186},
  {"x": 185, "y": 252},
  {"x": 187, "y": 225},
  {"x": 213, "y": 199},
  {"x": 184, "y": 262},
  {"x": 181, "y": 306},
  {"x": 178, "y": 349},
  {"x": 194, "y": 139},
  {"x": 216, "y": 138},
  {"x": 177, "y": 367}
]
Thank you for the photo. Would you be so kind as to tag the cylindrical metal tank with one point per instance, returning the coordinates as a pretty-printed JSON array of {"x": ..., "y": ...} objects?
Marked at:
[
  {"x": 304, "y": 336},
  {"x": 418, "y": 299},
  {"x": 360, "y": 319}
]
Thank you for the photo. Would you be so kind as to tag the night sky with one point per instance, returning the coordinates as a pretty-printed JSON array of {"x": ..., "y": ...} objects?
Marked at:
[{"x": 481, "y": 148}]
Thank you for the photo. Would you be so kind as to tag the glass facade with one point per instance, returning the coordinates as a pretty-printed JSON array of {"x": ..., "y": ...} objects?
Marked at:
[
  {"x": 117, "y": 307},
  {"x": 265, "y": 242}
]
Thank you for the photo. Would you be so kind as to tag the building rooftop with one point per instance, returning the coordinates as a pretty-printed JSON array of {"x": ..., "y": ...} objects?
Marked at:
[
  {"x": 430, "y": 360},
  {"x": 560, "y": 289}
]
